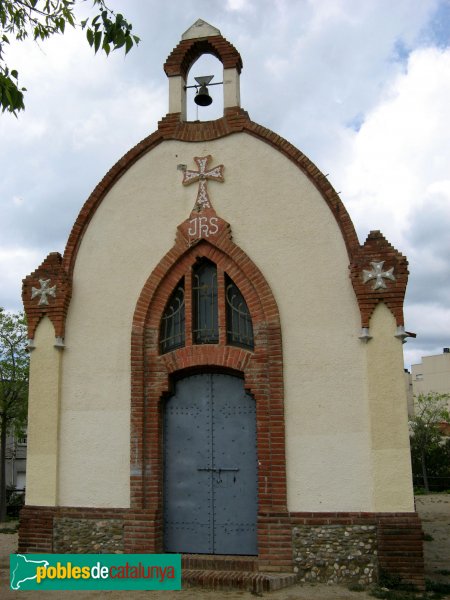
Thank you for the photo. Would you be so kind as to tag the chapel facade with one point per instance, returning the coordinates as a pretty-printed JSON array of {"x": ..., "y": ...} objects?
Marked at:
[{"x": 217, "y": 365}]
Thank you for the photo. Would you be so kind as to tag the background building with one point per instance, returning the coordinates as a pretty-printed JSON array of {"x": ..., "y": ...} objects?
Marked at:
[
  {"x": 16, "y": 460},
  {"x": 432, "y": 374}
]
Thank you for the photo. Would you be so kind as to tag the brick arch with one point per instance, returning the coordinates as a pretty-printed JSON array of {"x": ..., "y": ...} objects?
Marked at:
[
  {"x": 234, "y": 121},
  {"x": 152, "y": 373},
  {"x": 237, "y": 120},
  {"x": 187, "y": 52}
]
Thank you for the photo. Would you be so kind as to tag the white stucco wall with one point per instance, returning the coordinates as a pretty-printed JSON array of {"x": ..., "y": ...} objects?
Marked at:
[
  {"x": 43, "y": 418},
  {"x": 278, "y": 217},
  {"x": 392, "y": 489}
]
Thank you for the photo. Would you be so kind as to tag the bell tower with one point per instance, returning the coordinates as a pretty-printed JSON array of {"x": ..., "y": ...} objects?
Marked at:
[{"x": 202, "y": 38}]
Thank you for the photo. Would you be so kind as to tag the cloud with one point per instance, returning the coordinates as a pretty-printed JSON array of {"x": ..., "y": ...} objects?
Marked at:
[
  {"x": 361, "y": 87},
  {"x": 237, "y": 5},
  {"x": 15, "y": 264},
  {"x": 397, "y": 180},
  {"x": 81, "y": 117}
]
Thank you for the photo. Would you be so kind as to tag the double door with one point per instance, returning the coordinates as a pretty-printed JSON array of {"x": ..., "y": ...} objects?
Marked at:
[{"x": 210, "y": 467}]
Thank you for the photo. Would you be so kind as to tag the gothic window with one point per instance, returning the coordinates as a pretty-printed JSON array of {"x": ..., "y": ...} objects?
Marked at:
[
  {"x": 205, "y": 318},
  {"x": 172, "y": 330},
  {"x": 215, "y": 299},
  {"x": 239, "y": 321}
]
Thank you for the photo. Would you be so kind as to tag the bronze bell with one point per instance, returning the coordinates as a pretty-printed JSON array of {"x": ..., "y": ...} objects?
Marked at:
[{"x": 202, "y": 97}]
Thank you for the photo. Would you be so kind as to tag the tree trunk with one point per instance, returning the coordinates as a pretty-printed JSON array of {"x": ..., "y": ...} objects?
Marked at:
[
  {"x": 3, "y": 471},
  {"x": 424, "y": 472}
]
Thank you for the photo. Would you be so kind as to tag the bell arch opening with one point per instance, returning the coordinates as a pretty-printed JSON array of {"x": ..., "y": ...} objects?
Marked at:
[{"x": 205, "y": 65}]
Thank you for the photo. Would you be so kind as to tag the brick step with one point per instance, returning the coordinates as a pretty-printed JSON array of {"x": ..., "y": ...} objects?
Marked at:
[
  {"x": 251, "y": 581},
  {"x": 217, "y": 562}
]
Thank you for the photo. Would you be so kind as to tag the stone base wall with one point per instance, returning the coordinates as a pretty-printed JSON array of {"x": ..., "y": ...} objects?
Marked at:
[
  {"x": 325, "y": 547},
  {"x": 335, "y": 553},
  {"x": 87, "y": 536}
]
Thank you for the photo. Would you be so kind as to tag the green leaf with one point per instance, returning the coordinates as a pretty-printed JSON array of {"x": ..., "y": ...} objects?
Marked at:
[
  {"x": 41, "y": 19},
  {"x": 8, "y": 96},
  {"x": 70, "y": 19},
  {"x": 90, "y": 37},
  {"x": 97, "y": 40},
  {"x": 119, "y": 39}
]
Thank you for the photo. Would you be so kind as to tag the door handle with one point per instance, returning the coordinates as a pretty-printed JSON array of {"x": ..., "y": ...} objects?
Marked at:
[
  {"x": 219, "y": 472},
  {"x": 216, "y": 470}
]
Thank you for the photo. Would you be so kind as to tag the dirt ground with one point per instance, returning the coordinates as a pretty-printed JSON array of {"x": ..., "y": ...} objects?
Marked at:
[{"x": 434, "y": 510}]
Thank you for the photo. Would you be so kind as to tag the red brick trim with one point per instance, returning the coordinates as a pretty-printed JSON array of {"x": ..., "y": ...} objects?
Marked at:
[
  {"x": 100, "y": 191},
  {"x": 400, "y": 548},
  {"x": 186, "y": 53},
  {"x": 151, "y": 373},
  {"x": 377, "y": 249},
  {"x": 50, "y": 270},
  {"x": 237, "y": 120},
  {"x": 36, "y": 529}
]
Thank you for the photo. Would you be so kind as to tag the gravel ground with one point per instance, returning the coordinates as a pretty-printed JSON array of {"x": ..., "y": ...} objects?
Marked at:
[{"x": 434, "y": 510}]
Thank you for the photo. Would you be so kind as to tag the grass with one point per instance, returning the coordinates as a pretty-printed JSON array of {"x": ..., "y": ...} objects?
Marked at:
[
  {"x": 357, "y": 587},
  {"x": 419, "y": 491},
  {"x": 434, "y": 591},
  {"x": 391, "y": 588}
]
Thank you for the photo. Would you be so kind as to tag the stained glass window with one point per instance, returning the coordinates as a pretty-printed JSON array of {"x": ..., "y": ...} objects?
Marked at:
[
  {"x": 239, "y": 321},
  {"x": 205, "y": 326},
  {"x": 172, "y": 334},
  {"x": 206, "y": 304}
]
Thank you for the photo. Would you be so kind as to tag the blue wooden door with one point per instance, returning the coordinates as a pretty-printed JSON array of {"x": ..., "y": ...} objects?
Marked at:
[{"x": 210, "y": 467}]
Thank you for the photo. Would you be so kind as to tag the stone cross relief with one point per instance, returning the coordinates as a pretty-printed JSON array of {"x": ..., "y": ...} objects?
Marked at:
[
  {"x": 43, "y": 292},
  {"x": 202, "y": 176},
  {"x": 378, "y": 275}
]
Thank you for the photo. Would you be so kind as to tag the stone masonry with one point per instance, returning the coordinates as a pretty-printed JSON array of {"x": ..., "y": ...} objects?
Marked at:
[
  {"x": 335, "y": 553},
  {"x": 74, "y": 536}
]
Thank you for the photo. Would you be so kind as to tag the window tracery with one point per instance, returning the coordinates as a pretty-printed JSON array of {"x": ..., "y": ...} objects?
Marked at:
[{"x": 215, "y": 296}]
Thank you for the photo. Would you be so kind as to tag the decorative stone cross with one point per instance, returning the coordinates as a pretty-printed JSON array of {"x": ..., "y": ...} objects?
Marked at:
[
  {"x": 202, "y": 176},
  {"x": 44, "y": 291},
  {"x": 378, "y": 274}
]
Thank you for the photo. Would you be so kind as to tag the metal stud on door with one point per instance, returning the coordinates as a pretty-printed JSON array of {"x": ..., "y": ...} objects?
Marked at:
[{"x": 210, "y": 480}]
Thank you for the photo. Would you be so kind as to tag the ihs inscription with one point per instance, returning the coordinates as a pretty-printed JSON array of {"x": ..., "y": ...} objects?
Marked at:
[{"x": 200, "y": 227}]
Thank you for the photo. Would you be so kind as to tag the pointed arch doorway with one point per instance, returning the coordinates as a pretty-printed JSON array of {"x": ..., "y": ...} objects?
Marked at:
[
  {"x": 170, "y": 342},
  {"x": 210, "y": 467}
]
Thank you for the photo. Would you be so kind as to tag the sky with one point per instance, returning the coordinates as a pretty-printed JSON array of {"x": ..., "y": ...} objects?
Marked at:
[{"x": 361, "y": 87}]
